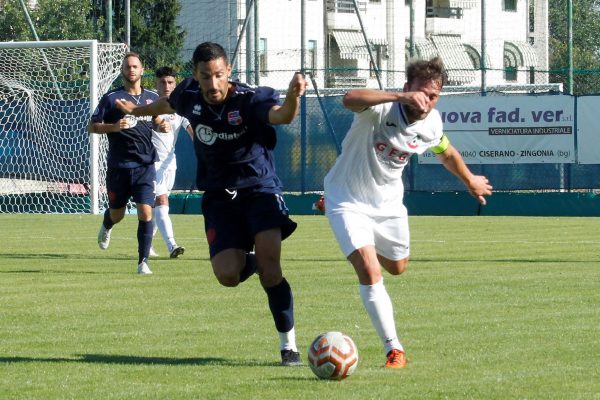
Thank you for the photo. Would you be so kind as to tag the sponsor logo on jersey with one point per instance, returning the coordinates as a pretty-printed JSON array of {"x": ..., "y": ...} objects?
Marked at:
[
  {"x": 234, "y": 118},
  {"x": 132, "y": 120},
  {"x": 391, "y": 156},
  {"x": 197, "y": 109},
  {"x": 388, "y": 123},
  {"x": 206, "y": 135},
  {"x": 148, "y": 101}
]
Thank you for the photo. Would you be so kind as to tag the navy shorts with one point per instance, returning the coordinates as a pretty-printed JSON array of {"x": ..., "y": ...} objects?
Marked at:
[
  {"x": 232, "y": 219},
  {"x": 137, "y": 183}
]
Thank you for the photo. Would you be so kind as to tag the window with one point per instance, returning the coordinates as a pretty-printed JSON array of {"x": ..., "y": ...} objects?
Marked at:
[
  {"x": 510, "y": 74},
  {"x": 532, "y": 16},
  {"x": 262, "y": 57},
  {"x": 510, "y": 5},
  {"x": 311, "y": 57}
]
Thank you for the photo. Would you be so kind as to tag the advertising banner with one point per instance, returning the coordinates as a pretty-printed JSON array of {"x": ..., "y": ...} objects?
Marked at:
[
  {"x": 509, "y": 129},
  {"x": 588, "y": 131}
]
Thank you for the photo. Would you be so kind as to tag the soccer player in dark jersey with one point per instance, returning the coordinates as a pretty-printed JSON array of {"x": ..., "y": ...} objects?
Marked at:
[
  {"x": 242, "y": 203},
  {"x": 131, "y": 156}
]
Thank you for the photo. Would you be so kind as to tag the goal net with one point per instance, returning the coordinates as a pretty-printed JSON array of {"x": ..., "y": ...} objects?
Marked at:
[{"x": 48, "y": 90}]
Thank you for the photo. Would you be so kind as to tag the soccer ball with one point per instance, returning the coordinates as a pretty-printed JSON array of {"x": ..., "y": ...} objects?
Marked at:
[{"x": 333, "y": 355}]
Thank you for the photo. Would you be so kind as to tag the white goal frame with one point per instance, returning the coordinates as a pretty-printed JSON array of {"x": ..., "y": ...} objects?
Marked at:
[{"x": 100, "y": 81}]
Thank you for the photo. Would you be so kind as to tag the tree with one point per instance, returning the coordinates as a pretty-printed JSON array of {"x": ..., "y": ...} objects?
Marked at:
[
  {"x": 52, "y": 19},
  {"x": 13, "y": 25},
  {"x": 155, "y": 34},
  {"x": 64, "y": 20},
  {"x": 154, "y": 30},
  {"x": 586, "y": 44}
]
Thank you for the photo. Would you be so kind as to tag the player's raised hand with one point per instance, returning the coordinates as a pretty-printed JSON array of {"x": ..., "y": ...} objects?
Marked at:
[
  {"x": 297, "y": 85},
  {"x": 125, "y": 105},
  {"x": 416, "y": 100},
  {"x": 121, "y": 124},
  {"x": 479, "y": 186},
  {"x": 163, "y": 125}
]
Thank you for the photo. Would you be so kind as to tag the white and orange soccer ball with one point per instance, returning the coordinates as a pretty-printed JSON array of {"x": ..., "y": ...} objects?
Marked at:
[{"x": 333, "y": 355}]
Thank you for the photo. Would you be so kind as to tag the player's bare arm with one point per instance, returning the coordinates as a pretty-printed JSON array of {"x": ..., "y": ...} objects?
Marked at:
[
  {"x": 101, "y": 127},
  {"x": 477, "y": 185},
  {"x": 359, "y": 99},
  {"x": 161, "y": 106},
  {"x": 190, "y": 132},
  {"x": 286, "y": 113}
]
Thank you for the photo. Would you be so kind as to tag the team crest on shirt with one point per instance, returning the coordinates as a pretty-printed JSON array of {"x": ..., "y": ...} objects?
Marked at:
[
  {"x": 413, "y": 144},
  {"x": 234, "y": 118}
]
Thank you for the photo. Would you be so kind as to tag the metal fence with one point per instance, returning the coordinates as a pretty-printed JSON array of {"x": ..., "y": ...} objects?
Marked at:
[
  {"x": 308, "y": 147},
  {"x": 511, "y": 47}
]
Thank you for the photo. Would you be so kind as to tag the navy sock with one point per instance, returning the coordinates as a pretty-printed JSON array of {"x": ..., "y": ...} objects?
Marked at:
[
  {"x": 107, "y": 222},
  {"x": 249, "y": 268},
  {"x": 144, "y": 236},
  {"x": 281, "y": 303}
]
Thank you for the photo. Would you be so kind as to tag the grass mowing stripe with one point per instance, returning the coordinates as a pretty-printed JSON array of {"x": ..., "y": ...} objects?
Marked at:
[{"x": 490, "y": 307}]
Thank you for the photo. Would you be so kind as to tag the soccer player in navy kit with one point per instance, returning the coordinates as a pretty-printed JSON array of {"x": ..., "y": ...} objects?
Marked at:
[
  {"x": 131, "y": 157},
  {"x": 242, "y": 203}
]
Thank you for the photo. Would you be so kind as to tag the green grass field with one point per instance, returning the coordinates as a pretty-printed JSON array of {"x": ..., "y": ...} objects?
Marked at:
[{"x": 490, "y": 308}]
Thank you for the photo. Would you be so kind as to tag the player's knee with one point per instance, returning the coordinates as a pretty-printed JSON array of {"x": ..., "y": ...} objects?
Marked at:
[
  {"x": 269, "y": 279},
  {"x": 397, "y": 267},
  {"x": 269, "y": 271},
  {"x": 227, "y": 275},
  {"x": 116, "y": 218},
  {"x": 229, "y": 281}
]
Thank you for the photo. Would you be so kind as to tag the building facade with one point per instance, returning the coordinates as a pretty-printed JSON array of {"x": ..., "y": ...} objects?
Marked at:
[{"x": 264, "y": 39}]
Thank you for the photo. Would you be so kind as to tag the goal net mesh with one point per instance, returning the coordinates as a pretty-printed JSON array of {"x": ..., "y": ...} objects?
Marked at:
[{"x": 45, "y": 105}]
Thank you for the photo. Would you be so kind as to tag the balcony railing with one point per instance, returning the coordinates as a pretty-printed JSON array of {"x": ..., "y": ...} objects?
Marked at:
[{"x": 345, "y": 6}]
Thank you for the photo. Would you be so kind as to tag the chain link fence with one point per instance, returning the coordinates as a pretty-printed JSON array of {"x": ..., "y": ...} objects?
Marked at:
[{"x": 527, "y": 49}]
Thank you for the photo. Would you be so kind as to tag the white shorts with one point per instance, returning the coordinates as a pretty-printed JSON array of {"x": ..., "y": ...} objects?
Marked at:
[
  {"x": 353, "y": 230},
  {"x": 165, "y": 179}
]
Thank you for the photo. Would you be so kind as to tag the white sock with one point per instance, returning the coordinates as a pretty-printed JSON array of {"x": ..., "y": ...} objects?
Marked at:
[
  {"x": 163, "y": 222},
  {"x": 378, "y": 304},
  {"x": 154, "y": 227},
  {"x": 287, "y": 340}
]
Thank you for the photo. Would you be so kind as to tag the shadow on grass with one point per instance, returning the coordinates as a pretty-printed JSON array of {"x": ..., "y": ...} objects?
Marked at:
[
  {"x": 64, "y": 256},
  {"x": 445, "y": 260},
  {"x": 137, "y": 360},
  {"x": 99, "y": 256}
]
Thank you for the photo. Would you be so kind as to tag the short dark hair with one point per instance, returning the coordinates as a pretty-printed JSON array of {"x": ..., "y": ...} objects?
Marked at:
[
  {"x": 165, "y": 71},
  {"x": 133, "y": 54},
  {"x": 427, "y": 70},
  {"x": 208, "y": 51}
]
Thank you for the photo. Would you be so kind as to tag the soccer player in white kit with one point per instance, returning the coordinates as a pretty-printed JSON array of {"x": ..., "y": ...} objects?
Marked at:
[
  {"x": 164, "y": 138},
  {"x": 364, "y": 190}
]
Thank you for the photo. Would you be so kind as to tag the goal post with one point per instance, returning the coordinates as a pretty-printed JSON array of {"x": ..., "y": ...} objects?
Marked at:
[{"x": 48, "y": 91}]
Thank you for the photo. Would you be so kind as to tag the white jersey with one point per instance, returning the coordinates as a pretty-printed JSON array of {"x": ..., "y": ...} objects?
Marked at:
[
  {"x": 367, "y": 176},
  {"x": 164, "y": 142}
]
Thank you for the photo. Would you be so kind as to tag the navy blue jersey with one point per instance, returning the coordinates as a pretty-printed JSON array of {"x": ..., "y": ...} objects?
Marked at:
[
  {"x": 132, "y": 147},
  {"x": 233, "y": 141}
]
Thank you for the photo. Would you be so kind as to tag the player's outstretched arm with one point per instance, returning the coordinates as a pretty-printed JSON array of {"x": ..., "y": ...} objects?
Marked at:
[
  {"x": 359, "y": 99},
  {"x": 477, "y": 185},
  {"x": 160, "y": 106},
  {"x": 286, "y": 113},
  {"x": 101, "y": 127}
]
